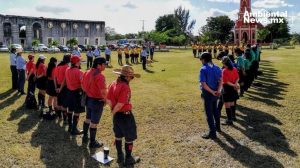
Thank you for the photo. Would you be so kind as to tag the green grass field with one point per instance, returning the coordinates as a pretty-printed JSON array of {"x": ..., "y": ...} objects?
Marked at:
[{"x": 170, "y": 120}]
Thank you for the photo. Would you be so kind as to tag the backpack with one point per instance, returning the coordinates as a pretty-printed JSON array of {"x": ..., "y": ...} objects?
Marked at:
[{"x": 30, "y": 101}]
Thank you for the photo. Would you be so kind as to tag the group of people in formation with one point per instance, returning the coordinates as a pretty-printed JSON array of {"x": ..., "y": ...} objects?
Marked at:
[
  {"x": 224, "y": 86},
  {"x": 71, "y": 91},
  {"x": 133, "y": 55}
]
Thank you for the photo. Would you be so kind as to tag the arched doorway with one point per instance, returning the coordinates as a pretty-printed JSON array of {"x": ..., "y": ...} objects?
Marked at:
[
  {"x": 7, "y": 33},
  {"x": 245, "y": 37},
  {"x": 22, "y": 34},
  {"x": 37, "y": 32}
]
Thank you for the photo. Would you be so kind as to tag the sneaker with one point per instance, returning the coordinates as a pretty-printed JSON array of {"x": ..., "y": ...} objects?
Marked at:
[
  {"x": 76, "y": 132},
  {"x": 209, "y": 136},
  {"x": 132, "y": 160},
  {"x": 95, "y": 144}
]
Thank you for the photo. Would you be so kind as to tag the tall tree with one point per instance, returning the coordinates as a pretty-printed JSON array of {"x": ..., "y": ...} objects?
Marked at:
[
  {"x": 278, "y": 30},
  {"x": 262, "y": 34},
  {"x": 183, "y": 16},
  {"x": 166, "y": 22},
  {"x": 218, "y": 28}
]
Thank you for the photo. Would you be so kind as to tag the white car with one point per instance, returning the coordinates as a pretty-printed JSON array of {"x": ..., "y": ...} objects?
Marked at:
[
  {"x": 17, "y": 46},
  {"x": 3, "y": 48},
  {"x": 42, "y": 48},
  {"x": 53, "y": 49}
]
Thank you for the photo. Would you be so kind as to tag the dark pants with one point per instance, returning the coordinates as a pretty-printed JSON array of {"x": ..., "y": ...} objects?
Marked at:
[
  {"x": 14, "y": 76},
  {"x": 107, "y": 57},
  {"x": 194, "y": 53},
  {"x": 211, "y": 111},
  {"x": 94, "y": 109},
  {"x": 120, "y": 60},
  {"x": 31, "y": 85},
  {"x": 132, "y": 58},
  {"x": 89, "y": 63},
  {"x": 144, "y": 61},
  {"x": 21, "y": 80}
]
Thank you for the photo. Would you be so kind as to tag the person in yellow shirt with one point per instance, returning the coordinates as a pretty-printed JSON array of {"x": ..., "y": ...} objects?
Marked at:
[
  {"x": 139, "y": 53},
  {"x": 220, "y": 48},
  {"x": 194, "y": 47},
  {"x": 204, "y": 48},
  {"x": 199, "y": 50},
  {"x": 126, "y": 51},
  {"x": 120, "y": 56},
  {"x": 132, "y": 55},
  {"x": 136, "y": 55}
]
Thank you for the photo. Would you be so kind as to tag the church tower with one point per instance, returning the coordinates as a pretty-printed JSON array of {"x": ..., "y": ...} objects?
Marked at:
[{"x": 244, "y": 33}]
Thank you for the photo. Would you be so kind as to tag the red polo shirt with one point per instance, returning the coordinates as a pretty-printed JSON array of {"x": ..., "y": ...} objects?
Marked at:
[
  {"x": 229, "y": 75},
  {"x": 52, "y": 74},
  {"x": 42, "y": 69},
  {"x": 119, "y": 92},
  {"x": 30, "y": 66},
  {"x": 61, "y": 73},
  {"x": 93, "y": 82},
  {"x": 73, "y": 78}
]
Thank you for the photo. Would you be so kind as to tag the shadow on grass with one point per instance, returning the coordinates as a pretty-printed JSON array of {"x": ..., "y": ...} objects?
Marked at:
[
  {"x": 149, "y": 71},
  {"x": 271, "y": 88},
  {"x": 9, "y": 101},
  {"x": 245, "y": 155},
  {"x": 6, "y": 94},
  {"x": 258, "y": 126}
]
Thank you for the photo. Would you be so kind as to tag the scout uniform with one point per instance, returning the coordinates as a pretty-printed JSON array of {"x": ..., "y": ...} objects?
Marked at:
[
  {"x": 51, "y": 83},
  {"x": 41, "y": 80},
  {"x": 120, "y": 56},
  {"x": 124, "y": 125},
  {"x": 73, "y": 82},
  {"x": 60, "y": 75},
  {"x": 194, "y": 47},
  {"x": 132, "y": 55},
  {"x": 215, "y": 51},
  {"x": 30, "y": 72},
  {"x": 126, "y": 51},
  {"x": 199, "y": 50},
  {"x": 93, "y": 84},
  {"x": 136, "y": 55}
]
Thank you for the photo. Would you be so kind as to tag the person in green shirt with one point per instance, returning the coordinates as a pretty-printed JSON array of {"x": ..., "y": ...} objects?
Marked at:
[
  {"x": 249, "y": 74},
  {"x": 241, "y": 68}
]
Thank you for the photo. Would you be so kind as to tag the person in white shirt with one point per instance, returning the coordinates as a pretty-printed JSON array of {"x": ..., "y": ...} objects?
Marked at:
[
  {"x": 21, "y": 67},
  {"x": 76, "y": 51}
]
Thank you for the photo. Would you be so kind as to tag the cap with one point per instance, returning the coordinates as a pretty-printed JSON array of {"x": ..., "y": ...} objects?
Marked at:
[
  {"x": 75, "y": 59},
  {"x": 42, "y": 57}
]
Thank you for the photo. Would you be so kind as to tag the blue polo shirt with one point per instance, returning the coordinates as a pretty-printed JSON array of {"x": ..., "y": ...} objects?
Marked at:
[
  {"x": 211, "y": 75},
  {"x": 76, "y": 52},
  {"x": 21, "y": 63},
  {"x": 144, "y": 53},
  {"x": 107, "y": 51},
  {"x": 97, "y": 53}
]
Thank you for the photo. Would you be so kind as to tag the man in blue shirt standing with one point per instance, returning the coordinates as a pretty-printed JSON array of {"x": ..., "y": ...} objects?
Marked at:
[
  {"x": 97, "y": 52},
  {"x": 21, "y": 67},
  {"x": 76, "y": 51},
  {"x": 144, "y": 55},
  {"x": 210, "y": 78},
  {"x": 89, "y": 55},
  {"x": 13, "y": 69},
  {"x": 107, "y": 55}
]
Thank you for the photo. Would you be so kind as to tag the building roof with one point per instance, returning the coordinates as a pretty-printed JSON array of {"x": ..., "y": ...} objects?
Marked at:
[{"x": 43, "y": 18}]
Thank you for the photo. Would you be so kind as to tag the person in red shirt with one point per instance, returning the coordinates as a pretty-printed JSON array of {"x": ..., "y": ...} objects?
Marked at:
[
  {"x": 61, "y": 96},
  {"x": 230, "y": 78},
  {"x": 118, "y": 98},
  {"x": 72, "y": 80},
  {"x": 30, "y": 75},
  {"x": 94, "y": 85},
  {"x": 51, "y": 85},
  {"x": 41, "y": 81}
]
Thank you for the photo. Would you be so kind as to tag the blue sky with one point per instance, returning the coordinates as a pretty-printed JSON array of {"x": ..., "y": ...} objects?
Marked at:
[{"x": 126, "y": 15}]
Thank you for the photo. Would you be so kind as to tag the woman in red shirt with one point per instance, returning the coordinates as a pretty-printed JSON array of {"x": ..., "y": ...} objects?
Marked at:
[
  {"x": 73, "y": 82},
  {"x": 230, "y": 78},
  {"x": 30, "y": 73},
  {"x": 41, "y": 81},
  {"x": 51, "y": 85}
]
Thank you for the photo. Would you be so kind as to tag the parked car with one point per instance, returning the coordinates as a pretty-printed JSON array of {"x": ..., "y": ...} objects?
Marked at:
[
  {"x": 3, "y": 48},
  {"x": 53, "y": 49},
  {"x": 63, "y": 48},
  {"x": 17, "y": 46},
  {"x": 42, "y": 48},
  {"x": 82, "y": 47}
]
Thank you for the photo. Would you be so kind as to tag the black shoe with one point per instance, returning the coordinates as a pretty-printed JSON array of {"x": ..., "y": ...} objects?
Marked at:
[
  {"x": 228, "y": 123},
  {"x": 209, "y": 136},
  {"x": 120, "y": 159},
  {"x": 218, "y": 130},
  {"x": 95, "y": 144},
  {"x": 22, "y": 93},
  {"x": 132, "y": 160},
  {"x": 85, "y": 139},
  {"x": 76, "y": 132},
  {"x": 234, "y": 119}
]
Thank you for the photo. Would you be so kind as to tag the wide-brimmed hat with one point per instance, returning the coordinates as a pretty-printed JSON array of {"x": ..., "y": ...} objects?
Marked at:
[
  {"x": 42, "y": 57},
  {"x": 126, "y": 71},
  {"x": 19, "y": 50}
]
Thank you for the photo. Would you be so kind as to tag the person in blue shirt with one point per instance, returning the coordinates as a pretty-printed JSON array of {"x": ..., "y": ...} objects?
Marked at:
[
  {"x": 89, "y": 55},
  {"x": 107, "y": 55},
  {"x": 97, "y": 52},
  {"x": 210, "y": 78},
  {"x": 13, "y": 69},
  {"x": 21, "y": 67},
  {"x": 76, "y": 51},
  {"x": 144, "y": 55}
]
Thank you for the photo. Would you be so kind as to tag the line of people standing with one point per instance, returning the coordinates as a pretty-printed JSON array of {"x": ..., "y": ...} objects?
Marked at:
[{"x": 221, "y": 86}]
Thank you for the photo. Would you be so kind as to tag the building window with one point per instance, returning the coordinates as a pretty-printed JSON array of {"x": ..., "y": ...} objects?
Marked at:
[
  {"x": 63, "y": 41},
  {"x": 7, "y": 29},
  {"x": 50, "y": 39},
  {"x": 86, "y": 41}
]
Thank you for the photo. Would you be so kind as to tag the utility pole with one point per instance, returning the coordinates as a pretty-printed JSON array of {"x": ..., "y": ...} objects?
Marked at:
[{"x": 143, "y": 27}]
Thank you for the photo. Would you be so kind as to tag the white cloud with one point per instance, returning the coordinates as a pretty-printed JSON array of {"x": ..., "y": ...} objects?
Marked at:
[
  {"x": 129, "y": 5},
  {"x": 271, "y": 4},
  {"x": 52, "y": 9},
  {"x": 225, "y": 1}
]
